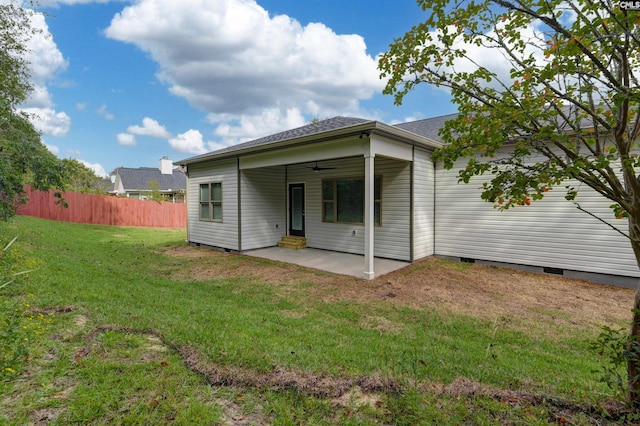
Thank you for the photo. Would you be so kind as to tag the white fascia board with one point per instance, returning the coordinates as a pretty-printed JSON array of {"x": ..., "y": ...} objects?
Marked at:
[
  {"x": 381, "y": 145},
  {"x": 320, "y": 151},
  {"x": 406, "y": 136}
]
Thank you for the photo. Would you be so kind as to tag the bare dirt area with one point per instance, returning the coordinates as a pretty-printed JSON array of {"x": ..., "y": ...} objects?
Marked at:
[{"x": 482, "y": 291}]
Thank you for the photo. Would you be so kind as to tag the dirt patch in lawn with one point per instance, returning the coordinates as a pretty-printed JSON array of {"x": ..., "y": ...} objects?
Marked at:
[
  {"x": 368, "y": 391},
  {"x": 493, "y": 293},
  {"x": 482, "y": 291}
]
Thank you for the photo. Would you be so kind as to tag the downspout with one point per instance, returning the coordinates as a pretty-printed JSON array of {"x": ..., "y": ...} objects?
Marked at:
[
  {"x": 411, "y": 204},
  {"x": 186, "y": 200},
  {"x": 286, "y": 199},
  {"x": 239, "y": 205}
]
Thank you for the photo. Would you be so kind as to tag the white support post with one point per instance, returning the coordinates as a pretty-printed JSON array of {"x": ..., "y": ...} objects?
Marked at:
[{"x": 369, "y": 180}]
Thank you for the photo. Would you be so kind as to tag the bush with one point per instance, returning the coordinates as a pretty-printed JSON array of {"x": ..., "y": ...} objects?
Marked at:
[{"x": 617, "y": 348}]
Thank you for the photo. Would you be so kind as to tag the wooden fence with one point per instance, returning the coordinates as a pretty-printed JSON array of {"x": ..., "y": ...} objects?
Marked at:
[{"x": 105, "y": 210}]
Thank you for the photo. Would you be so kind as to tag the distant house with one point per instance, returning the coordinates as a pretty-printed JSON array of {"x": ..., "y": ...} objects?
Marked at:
[
  {"x": 141, "y": 182},
  {"x": 105, "y": 185}
]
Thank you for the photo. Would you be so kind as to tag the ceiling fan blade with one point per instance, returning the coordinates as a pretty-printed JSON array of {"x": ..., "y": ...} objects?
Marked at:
[{"x": 317, "y": 168}]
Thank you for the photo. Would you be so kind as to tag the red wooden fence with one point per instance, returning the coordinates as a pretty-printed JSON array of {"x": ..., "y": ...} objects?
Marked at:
[{"x": 105, "y": 210}]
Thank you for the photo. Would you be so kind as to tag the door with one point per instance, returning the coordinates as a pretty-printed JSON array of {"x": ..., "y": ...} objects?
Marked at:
[{"x": 296, "y": 209}]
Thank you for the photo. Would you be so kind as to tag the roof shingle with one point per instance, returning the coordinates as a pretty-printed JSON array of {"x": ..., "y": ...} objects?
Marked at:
[
  {"x": 138, "y": 179},
  {"x": 428, "y": 127},
  {"x": 306, "y": 130}
]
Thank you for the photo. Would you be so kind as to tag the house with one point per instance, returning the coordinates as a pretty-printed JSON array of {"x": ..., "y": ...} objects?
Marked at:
[
  {"x": 365, "y": 187},
  {"x": 139, "y": 183}
]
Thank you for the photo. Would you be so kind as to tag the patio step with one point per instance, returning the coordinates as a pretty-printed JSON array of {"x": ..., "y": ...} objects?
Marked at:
[{"x": 294, "y": 243}]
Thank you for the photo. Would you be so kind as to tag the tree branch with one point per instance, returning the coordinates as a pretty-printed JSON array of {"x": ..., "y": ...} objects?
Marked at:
[{"x": 606, "y": 223}]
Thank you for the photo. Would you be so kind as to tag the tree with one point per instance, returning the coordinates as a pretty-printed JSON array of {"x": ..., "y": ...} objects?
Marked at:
[
  {"x": 81, "y": 178},
  {"x": 556, "y": 82},
  {"x": 23, "y": 157},
  {"x": 154, "y": 188}
]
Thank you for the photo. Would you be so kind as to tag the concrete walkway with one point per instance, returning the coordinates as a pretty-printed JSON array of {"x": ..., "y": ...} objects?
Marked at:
[{"x": 330, "y": 261}]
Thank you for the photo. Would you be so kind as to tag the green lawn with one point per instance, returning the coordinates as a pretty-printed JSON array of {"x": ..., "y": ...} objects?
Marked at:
[{"x": 135, "y": 338}]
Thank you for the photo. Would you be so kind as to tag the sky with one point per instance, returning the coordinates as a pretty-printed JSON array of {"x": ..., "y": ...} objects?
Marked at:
[{"x": 125, "y": 83}]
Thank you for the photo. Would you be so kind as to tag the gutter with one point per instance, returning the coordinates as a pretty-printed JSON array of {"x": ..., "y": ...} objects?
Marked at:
[{"x": 405, "y": 136}]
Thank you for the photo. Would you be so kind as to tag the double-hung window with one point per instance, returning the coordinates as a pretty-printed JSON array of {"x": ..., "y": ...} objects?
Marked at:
[
  {"x": 343, "y": 200},
  {"x": 211, "y": 201}
]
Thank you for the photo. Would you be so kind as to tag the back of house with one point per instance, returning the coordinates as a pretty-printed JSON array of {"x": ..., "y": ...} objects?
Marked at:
[{"x": 361, "y": 186}]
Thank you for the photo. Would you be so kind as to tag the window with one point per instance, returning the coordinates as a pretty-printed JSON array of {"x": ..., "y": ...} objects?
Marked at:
[
  {"x": 211, "y": 201},
  {"x": 343, "y": 200}
]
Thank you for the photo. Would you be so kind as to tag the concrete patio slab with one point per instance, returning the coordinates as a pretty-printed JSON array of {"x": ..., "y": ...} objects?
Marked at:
[{"x": 330, "y": 261}]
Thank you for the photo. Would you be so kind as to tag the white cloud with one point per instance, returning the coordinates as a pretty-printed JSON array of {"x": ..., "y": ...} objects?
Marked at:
[
  {"x": 493, "y": 57},
  {"x": 97, "y": 168},
  {"x": 104, "y": 113},
  {"x": 407, "y": 119},
  {"x": 44, "y": 57},
  {"x": 190, "y": 142},
  {"x": 39, "y": 96},
  {"x": 49, "y": 122},
  {"x": 126, "y": 139},
  {"x": 231, "y": 57},
  {"x": 150, "y": 127},
  {"x": 231, "y": 131},
  {"x": 45, "y": 62},
  {"x": 81, "y": 106}
]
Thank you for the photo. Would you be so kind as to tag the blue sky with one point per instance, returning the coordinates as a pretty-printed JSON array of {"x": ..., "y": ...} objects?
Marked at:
[{"x": 124, "y": 83}]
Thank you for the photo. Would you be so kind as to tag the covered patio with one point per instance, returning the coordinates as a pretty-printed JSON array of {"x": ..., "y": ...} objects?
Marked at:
[
  {"x": 325, "y": 260},
  {"x": 346, "y": 185}
]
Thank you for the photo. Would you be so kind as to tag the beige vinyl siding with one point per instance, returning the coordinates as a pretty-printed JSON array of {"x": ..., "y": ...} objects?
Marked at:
[
  {"x": 423, "y": 210},
  {"x": 264, "y": 206},
  {"x": 391, "y": 239},
  {"x": 549, "y": 233},
  {"x": 217, "y": 234}
]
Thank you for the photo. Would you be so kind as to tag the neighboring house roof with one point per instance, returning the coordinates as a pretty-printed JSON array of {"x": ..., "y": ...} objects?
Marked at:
[
  {"x": 104, "y": 185},
  {"x": 336, "y": 126},
  {"x": 138, "y": 179}
]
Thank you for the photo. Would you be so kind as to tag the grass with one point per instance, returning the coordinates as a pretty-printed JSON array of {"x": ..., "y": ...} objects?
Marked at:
[{"x": 129, "y": 315}]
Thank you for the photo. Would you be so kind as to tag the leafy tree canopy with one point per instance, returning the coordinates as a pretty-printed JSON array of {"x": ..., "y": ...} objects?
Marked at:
[
  {"x": 554, "y": 78},
  {"x": 547, "y": 92},
  {"x": 81, "y": 178},
  {"x": 23, "y": 157},
  {"x": 154, "y": 188}
]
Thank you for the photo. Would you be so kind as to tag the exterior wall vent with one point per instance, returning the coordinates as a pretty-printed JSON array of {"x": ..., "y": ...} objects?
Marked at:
[{"x": 554, "y": 271}]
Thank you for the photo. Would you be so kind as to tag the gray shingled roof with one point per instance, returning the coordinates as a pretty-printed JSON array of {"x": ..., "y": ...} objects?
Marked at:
[
  {"x": 429, "y": 127},
  {"x": 306, "y": 130},
  {"x": 138, "y": 179},
  {"x": 426, "y": 128}
]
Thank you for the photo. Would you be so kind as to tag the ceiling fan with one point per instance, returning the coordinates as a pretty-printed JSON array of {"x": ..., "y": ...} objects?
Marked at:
[{"x": 316, "y": 168}]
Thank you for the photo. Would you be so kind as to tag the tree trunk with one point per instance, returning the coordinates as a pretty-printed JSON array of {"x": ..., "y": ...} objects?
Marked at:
[
  {"x": 633, "y": 360},
  {"x": 633, "y": 347}
]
